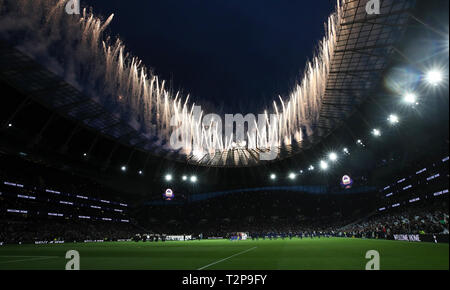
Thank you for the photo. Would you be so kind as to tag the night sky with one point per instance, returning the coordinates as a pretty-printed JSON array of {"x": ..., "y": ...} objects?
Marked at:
[{"x": 232, "y": 56}]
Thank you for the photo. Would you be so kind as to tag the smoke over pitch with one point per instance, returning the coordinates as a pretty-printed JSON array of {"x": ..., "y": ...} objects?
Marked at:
[{"x": 77, "y": 48}]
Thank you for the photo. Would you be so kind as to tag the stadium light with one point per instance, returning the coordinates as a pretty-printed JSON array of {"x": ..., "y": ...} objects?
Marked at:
[
  {"x": 410, "y": 98},
  {"x": 273, "y": 176},
  {"x": 346, "y": 151},
  {"x": 292, "y": 176},
  {"x": 311, "y": 168},
  {"x": 168, "y": 177},
  {"x": 376, "y": 132},
  {"x": 333, "y": 156},
  {"x": 301, "y": 171},
  {"x": 9, "y": 125},
  {"x": 393, "y": 119},
  {"x": 193, "y": 179},
  {"x": 140, "y": 172},
  {"x": 84, "y": 154},
  {"x": 184, "y": 178},
  {"x": 434, "y": 77},
  {"x": 323, "y": 165}
]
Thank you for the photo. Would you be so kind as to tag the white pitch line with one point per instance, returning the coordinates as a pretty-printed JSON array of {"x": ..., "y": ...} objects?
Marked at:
[
  {"x": 26, "y": 260},
  {"x": 217, "y": 262}
]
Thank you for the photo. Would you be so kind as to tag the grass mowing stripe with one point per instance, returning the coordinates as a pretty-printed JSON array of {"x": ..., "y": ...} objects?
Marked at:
[
  {"x": 217, "y": 262},
  {"x": 14, "y": 256},
  {"x": 26, "y": 260}
]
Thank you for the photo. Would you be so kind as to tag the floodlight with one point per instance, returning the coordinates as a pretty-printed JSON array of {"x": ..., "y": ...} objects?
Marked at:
[
  {"x": 323, "y": 165},
  {"x": 376, "y": 132},
  {"x": 393, "y": 119},
  {"x": 333, "y": 156},
  {"x": 410, "y": 98},
  {"x": 434, "y": 77}
]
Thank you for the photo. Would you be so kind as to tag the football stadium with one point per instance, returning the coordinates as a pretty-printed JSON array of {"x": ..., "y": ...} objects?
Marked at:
[{"x": 224, "y": 135}]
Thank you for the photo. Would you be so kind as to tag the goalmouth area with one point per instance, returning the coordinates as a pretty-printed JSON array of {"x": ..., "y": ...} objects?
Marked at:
[{"x": 295, "y": 254}]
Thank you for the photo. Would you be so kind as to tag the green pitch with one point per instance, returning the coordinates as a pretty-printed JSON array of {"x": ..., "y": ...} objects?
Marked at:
[{"x": 296, "y": 254}]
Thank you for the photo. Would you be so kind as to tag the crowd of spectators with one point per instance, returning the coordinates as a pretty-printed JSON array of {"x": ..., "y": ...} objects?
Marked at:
[
  {"x": 412, "y": 220},
  {"x": 28, "y": 213},
  {"x": 261, "y": 214},
  {"x": 429, "y": 218},
  {"x": 31, "y": 231},
  {"x": 384, "y": 225},
  {"x": 277, "y": 211}
]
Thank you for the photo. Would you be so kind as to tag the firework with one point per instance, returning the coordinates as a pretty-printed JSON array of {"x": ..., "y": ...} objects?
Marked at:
[{"x": 77, "y": 48}]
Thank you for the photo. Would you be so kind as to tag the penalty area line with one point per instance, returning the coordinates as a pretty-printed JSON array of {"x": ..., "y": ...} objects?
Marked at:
[{"x": 227, "y": 258}]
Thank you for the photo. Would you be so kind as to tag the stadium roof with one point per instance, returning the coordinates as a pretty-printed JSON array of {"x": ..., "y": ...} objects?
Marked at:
[
  {"x": 363, "y": 49},
  {"x": 364, "y": 46}
]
